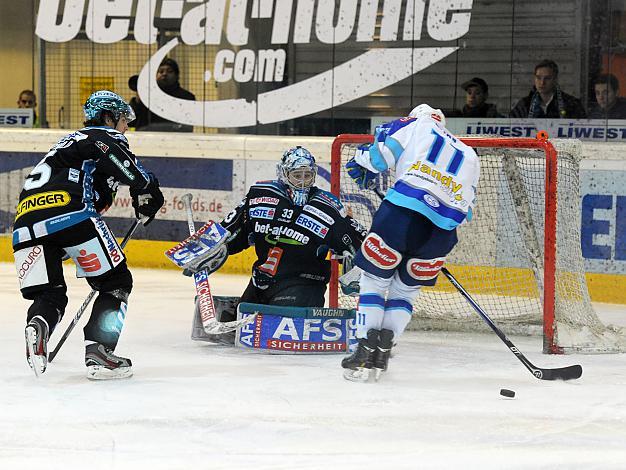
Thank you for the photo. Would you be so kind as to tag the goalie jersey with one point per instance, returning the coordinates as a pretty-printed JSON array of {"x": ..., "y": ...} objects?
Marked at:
[
  {"x": 436, "y": 173},
  {"x": 291, "y": 242}
]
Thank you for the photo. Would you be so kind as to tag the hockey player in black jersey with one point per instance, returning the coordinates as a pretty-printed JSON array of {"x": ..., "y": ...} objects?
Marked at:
[
  {"x": 58, "y": 214},
  {"x": 292, "y": 225}
]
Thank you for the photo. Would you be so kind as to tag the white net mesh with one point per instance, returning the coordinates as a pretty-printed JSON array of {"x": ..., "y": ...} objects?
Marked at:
[{"x": 500, "y": 255}]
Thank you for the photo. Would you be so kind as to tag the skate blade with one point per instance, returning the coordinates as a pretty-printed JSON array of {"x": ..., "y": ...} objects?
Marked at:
[
  {"x": 102, "y": 373},
  {"x": 357, "y": 375},
  {"x": 36, "y": 363}
]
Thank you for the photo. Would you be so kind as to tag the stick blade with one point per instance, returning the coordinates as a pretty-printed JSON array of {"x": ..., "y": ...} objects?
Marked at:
[
  {"x": 217, "y": 328},
  {"x": 562, "y": 373}
]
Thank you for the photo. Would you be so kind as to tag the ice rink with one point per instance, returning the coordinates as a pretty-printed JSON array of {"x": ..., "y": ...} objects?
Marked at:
[{"x": 196, "y": 406}]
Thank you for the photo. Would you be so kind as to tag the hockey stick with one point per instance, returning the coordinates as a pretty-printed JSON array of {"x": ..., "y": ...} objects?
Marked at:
[
  {"x": 560, "y": 373},
  {"x": 206, "y": 307},
  {"x": 87, "y": 301}
]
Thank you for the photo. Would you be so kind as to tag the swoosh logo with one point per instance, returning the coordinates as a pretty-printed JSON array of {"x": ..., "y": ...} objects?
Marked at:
[{"x": 344, "y": 83}]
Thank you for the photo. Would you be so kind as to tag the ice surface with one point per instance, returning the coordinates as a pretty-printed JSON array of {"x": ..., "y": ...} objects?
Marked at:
[{"x": 195, "y": 406}]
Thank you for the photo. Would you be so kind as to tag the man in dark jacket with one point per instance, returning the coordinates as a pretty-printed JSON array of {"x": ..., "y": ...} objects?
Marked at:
[
  {"x": 546, "y": 100},
  {"x": 167, "y": 77},
  {"x": 609, "y": 105},
  {"x": 476, "y": 96}
]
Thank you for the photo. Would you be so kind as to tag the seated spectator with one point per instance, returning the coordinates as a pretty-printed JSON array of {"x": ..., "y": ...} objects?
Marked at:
[
  {"x": 609, "y": 105},
  {"x": 28, "y": 99},
  {"x": 167, "y": 78},
  {"x": 476, "y": 96},
  {"x": 546, "y": 99}
]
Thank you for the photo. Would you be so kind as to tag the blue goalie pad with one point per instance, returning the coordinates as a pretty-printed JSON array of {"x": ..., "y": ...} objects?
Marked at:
[{"x": 296, "y": 330}]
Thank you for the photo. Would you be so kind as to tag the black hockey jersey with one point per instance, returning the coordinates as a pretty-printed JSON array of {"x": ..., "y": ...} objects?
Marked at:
[
  {"x": 292, "y": 241},
  {"x": 59, "y": 191}
]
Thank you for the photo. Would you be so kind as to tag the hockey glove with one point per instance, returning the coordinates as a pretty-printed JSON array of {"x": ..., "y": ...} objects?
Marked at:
[
  {"x": 363, "y": 177},
  {"x": 205, "y": 249},
  {"x": 211, "y": 263},
  {"x": 147, "y": 201},
  {"x": 349, "y": 282}
]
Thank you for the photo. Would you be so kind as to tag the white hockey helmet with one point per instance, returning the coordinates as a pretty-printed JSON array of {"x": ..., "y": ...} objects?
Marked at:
[
  {"x": 425, "y": 110},
  {"x": 297, "y": 170}
]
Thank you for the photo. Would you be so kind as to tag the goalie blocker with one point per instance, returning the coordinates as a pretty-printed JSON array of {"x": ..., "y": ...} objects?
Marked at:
[{"x": 285, "y": 330}]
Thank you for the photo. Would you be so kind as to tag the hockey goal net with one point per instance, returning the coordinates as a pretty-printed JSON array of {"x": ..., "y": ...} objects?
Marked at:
[{"x": 520, "y": 256}]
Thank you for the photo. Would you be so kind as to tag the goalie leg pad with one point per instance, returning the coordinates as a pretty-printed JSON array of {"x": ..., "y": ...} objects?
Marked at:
[{"x": 225, "y": 311}]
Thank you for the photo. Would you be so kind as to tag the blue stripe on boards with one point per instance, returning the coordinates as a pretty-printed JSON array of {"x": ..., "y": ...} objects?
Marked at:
[{"x": 188, "y": 173}]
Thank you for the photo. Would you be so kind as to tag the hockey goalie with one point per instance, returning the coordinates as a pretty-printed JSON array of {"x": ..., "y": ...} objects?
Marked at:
[{"x": 294, "y": 226}]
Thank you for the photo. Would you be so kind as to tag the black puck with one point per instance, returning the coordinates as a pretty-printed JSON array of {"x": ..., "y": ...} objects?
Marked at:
[{"x": 507, "y": 393}]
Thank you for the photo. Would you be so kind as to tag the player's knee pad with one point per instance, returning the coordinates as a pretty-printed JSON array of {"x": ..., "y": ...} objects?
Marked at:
[
  {"x": 377, "y": 257},
  {"x": 117, "y": 282},
  {"x": 420, "y": 272}
]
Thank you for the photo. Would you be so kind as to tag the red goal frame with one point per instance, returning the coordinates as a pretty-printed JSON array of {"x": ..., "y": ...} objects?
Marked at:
[{"x": 540, "y": 143}]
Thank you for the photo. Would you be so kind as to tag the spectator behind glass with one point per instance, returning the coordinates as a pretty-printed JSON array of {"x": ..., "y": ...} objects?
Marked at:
[
  {"x": 609, "y": 105},
  {"x": 476, "y": 96},
  {"x": 27, "y": 99},
  {"x": 546, "y": 99},
  {"x": 167, "y": 78}
]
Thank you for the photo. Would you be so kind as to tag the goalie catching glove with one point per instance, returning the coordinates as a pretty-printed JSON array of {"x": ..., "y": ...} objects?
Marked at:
[
  {"x": 206, "y": 249},
  {"x": 147, "y": 201},
  {"x": 365, "y": 178},
  {"x": 350, "y": 275}
]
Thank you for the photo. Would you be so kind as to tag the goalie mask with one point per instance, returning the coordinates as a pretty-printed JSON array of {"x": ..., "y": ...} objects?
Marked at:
[
  {"x": 425, "y": 110},
  {"x": 297, "y": 170},
  {"x": 105, "y": 100}
]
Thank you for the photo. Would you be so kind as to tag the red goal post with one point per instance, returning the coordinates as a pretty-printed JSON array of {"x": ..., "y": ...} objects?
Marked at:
[{"x": 518, "y": 193}]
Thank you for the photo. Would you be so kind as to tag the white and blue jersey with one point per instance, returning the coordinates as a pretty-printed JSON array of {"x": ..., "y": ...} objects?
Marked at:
[{"x": 436, "y": 173}]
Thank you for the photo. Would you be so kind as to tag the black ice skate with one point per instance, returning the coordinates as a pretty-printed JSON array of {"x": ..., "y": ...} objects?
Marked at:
[
  {"x": 36, "y": 334},
  {"x": 359, "y": 364},
  {"x": 102, "y": 364},
  {"x": 383, "y": 351}
]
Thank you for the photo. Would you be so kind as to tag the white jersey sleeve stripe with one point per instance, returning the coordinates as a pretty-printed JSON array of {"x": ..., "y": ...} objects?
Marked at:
[
  {"x": 376, "y": 158},
  {"x": 395, "y": 147}
]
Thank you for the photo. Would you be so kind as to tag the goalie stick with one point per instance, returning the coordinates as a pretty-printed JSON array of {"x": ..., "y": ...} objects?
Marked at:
[
  {"x": 203, "y": 291},
  {"x": 559, "y": 373},
  {"x": 87, "y": 301}
]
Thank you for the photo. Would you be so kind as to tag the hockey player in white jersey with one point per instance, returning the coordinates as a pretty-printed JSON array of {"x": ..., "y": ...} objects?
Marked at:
[{"x": 413, "y": 230}]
